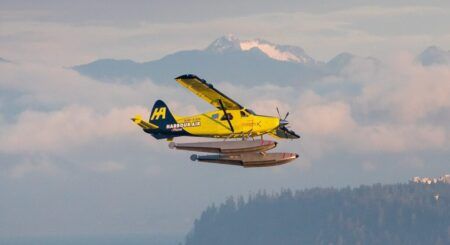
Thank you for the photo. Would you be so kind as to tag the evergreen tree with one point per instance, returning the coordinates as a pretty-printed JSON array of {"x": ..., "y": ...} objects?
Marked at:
[{"x": 377, "y": 214}]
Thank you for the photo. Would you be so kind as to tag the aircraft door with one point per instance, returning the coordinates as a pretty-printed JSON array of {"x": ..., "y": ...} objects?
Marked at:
[{"x": 247, "y": 122}]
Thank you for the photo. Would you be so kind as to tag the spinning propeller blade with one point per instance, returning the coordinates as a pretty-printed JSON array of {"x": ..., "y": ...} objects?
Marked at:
[{"x": 287, "y": 114}]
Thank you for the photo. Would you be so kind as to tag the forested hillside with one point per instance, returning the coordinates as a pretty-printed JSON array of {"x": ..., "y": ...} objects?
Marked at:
[{"x": 379, "y": 214}]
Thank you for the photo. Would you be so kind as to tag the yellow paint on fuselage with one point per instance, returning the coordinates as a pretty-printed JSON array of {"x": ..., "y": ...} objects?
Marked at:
[{"x": 213, "y": 124}]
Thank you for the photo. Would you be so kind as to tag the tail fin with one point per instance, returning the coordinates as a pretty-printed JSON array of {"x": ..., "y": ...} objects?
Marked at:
[{"x": 160, "y": 115}]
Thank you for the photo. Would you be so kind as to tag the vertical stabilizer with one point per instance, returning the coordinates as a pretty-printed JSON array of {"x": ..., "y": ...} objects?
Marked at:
[{"x": 161, "y": 115}]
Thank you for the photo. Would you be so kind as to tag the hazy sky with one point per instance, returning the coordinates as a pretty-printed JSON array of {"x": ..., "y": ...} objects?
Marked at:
[{"x": 71, "y": 161}]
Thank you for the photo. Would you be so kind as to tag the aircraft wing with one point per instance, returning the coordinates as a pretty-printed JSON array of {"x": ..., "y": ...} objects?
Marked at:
[{"x": 206, "y": 91}]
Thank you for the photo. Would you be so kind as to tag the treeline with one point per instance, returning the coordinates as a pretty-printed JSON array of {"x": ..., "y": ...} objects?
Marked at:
[{"x": 377, "y": 214}]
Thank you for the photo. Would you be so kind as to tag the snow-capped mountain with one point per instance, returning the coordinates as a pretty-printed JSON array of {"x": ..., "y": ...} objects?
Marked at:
[
  {"x": 228, "y": 58},
  {"x": 225, "y": 59},
  {"x": 277, "y": 52},
  {"x": 224, "y": 44}
]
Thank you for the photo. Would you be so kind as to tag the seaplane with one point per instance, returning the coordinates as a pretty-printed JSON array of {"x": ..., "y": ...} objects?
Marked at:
[{"x": 235, "y": 125}]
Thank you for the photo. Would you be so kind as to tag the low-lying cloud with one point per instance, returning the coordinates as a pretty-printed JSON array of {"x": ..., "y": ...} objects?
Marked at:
[
  {"x": 402, "y": 107},
  {"x": 61, "y": 130}
]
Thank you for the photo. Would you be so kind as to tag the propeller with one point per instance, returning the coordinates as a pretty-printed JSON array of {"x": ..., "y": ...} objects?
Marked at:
[
  {"x": 284, "y": 128},
  {"x": 283, "y": 121},
  {"x": 279, "y": 115}
]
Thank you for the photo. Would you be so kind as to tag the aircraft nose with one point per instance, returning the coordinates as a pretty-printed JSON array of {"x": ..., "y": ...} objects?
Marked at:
[{"x": 283, "y": 122}]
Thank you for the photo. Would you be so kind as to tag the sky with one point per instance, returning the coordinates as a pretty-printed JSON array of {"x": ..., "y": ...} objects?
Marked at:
[{"x": 71, "y": 161}]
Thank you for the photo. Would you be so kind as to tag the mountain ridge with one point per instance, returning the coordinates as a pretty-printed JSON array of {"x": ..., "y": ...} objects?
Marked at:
[
  {"x": 222, "y": 60},
  {"x": 247, "y": 62},
  {"x": 286, "y": 53}
]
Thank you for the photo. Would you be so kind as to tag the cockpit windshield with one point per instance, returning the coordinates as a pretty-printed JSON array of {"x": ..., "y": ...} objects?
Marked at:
[{"x": 250, "y": 111}]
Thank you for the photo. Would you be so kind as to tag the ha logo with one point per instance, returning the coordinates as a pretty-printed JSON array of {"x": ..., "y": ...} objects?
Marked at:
[{"x": 157, "y": 113}]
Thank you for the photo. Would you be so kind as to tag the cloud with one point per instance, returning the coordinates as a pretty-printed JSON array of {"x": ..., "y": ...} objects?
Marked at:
[
  {"x": 76, "y": 123},
  {"x": 326, "y": 119},
  {"x": 50, "y": 86},
  {"x": 408, "y": 91},
  {"x": 401, "y": 108},
  {"x": 386, "y": 11},
  {"x": 107, "y": 167},
  {"x": 61, "y": 130},
  {"x": 367, "y": 30},
  {"x": 389, "y": 113},
  {"x": 34, "y": 165},
  {"x": 400, "y": 138}
]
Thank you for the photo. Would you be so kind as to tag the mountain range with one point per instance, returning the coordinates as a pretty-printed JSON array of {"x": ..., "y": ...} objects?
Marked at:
[{"x": 247, "y": 62}]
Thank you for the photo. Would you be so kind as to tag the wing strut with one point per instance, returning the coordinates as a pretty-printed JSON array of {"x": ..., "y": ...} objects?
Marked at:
[{"x": 226, "y": 115}]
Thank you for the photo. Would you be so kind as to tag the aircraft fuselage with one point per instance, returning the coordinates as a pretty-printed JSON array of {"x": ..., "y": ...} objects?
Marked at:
[{"x": 215, "y": 125}]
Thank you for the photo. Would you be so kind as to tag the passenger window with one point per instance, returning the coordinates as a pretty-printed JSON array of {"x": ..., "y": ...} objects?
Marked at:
[
  {"x": 243, "y": 114},
  {"x": 230, "y": 117},
  {"x": 215, "y": 116}
]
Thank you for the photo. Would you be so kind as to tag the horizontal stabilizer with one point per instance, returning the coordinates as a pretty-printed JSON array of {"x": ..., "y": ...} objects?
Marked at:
[{"x": 143, "y": 124}]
